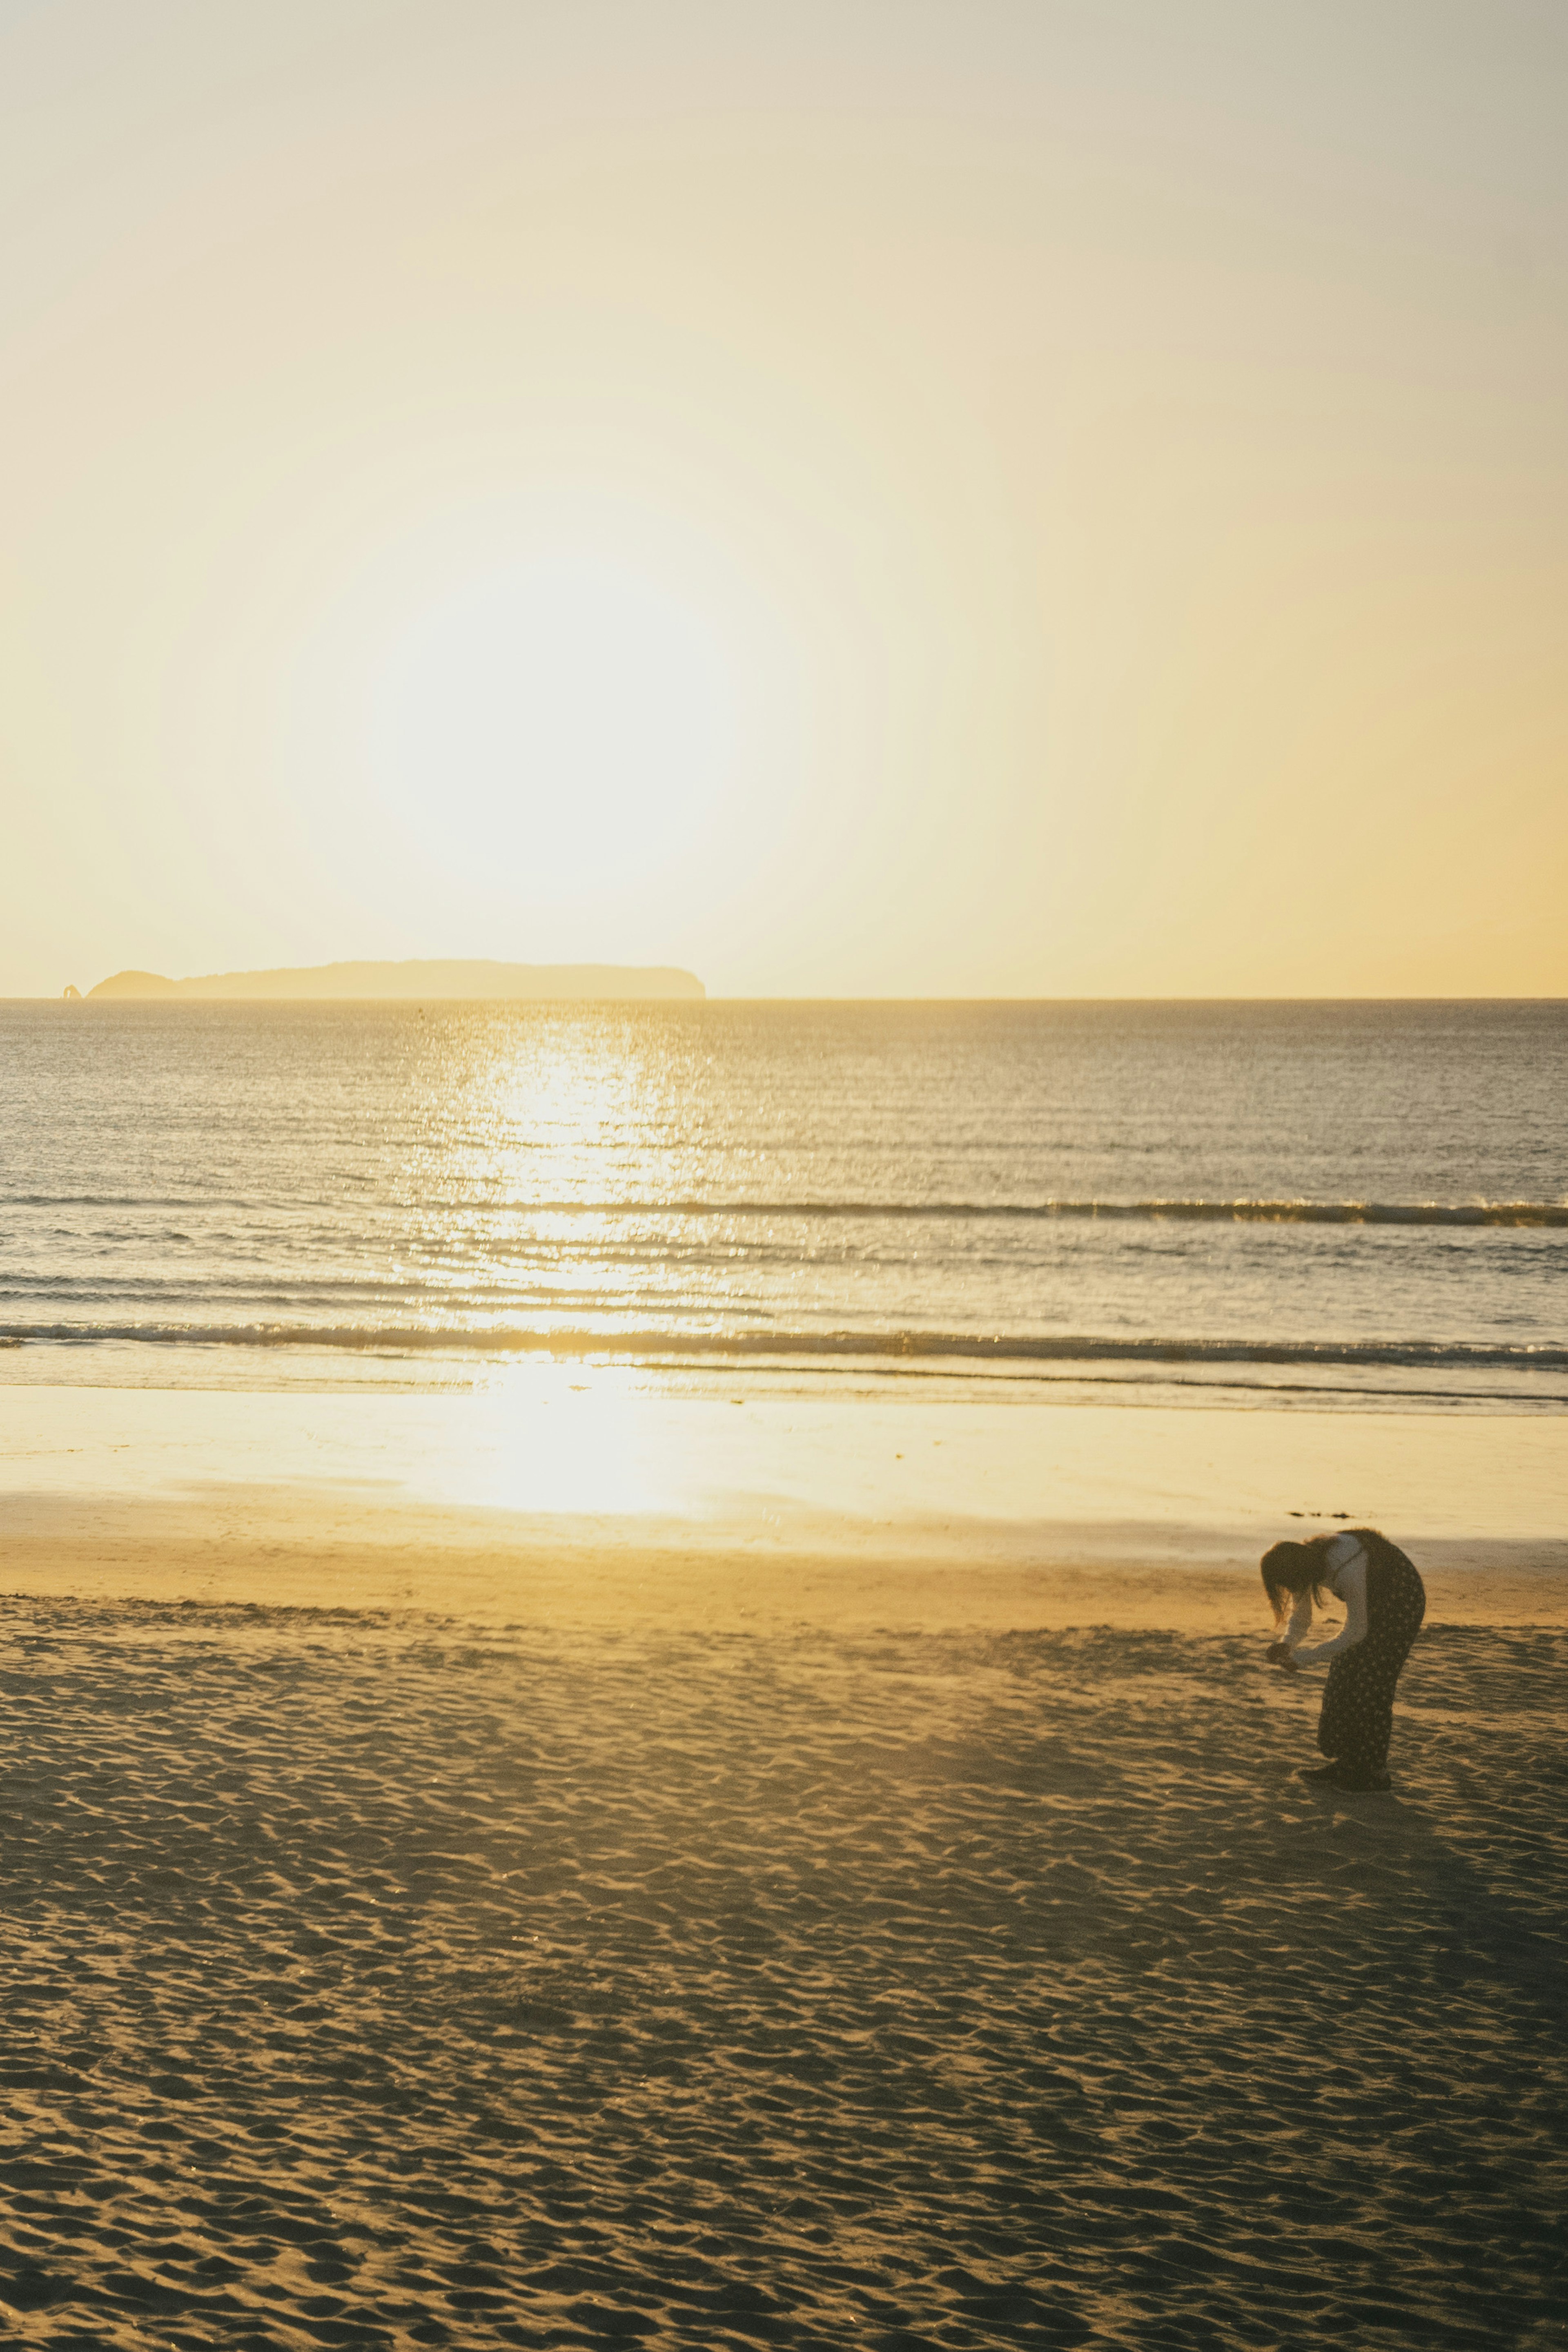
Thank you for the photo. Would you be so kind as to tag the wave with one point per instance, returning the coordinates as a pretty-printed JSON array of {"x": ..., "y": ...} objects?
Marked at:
[
  {"x": 649, "y": 1343},
  {"x": 1537, "y": 1213},
  {"x": 1299, "y": 1213}
]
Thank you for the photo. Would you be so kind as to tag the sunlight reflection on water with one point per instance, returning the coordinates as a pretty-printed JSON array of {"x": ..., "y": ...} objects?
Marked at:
[{"x": 823, "y": 1182}]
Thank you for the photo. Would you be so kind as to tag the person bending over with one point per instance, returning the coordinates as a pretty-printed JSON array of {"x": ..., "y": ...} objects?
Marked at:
[{"x": 1385, "y": 1601}]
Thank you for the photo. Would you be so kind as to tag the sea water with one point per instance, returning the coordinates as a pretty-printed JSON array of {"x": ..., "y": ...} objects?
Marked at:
[{"x": 1319, "y": 1199}]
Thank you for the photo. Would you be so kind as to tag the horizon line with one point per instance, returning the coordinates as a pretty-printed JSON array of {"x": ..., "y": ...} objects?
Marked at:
[{"x": 1489, "y": 996}]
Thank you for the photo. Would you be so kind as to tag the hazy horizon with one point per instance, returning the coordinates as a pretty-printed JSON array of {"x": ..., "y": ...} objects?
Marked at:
[
  {"x": 873, "y": 503},
  {"x": 185, "y": 988}
]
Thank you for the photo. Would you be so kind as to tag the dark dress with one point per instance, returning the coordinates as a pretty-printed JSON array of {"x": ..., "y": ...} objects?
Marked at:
[{"x": 1358, "y": 1697}]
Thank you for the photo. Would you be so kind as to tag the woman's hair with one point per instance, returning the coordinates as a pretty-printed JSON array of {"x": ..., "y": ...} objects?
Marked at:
[{"x": 1291, "y": 1568}]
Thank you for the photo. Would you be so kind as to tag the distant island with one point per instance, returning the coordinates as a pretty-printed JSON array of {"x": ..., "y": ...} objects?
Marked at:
[{"x": 419, "y": 981}]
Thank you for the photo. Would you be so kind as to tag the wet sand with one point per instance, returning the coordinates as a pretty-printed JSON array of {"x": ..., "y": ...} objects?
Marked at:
[
  {"x": 975, "y": 1471},
  {"x": 432, "y": 1923}
]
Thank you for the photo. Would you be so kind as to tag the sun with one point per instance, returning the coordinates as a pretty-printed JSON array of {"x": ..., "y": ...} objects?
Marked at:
[{"x": 561, "y": 726}]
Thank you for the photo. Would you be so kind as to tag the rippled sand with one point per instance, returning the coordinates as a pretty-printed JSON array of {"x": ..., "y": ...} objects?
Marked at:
[{"x": 369, "y": 1980}]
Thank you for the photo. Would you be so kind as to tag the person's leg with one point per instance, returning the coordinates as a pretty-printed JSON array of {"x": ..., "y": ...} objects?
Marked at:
[
  {"x": 1358, "y": 1714},
  {"x": 1334, "y": 1721},
  {"x": 1364, "y": 1750},
  {"x": 1404, "y": 1605},
  {"x": 1363, "y": 1735}
]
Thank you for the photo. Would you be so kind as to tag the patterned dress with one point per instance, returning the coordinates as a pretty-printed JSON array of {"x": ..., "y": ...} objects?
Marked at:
[{"x": 1357, "y": 1719}]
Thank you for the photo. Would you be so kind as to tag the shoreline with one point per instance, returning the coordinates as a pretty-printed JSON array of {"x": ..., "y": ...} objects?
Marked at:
[{"x": 1137, "y": 1383}]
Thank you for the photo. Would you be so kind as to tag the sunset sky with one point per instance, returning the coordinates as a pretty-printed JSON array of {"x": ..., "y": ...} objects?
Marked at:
[{"x": 858, "y": 498}]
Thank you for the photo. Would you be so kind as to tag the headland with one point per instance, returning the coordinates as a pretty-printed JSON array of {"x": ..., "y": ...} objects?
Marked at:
[{"x": 420, "y": 979}]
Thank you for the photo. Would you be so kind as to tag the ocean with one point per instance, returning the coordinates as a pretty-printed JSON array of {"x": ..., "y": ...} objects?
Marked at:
[{"x": 1326, "y": 1201}]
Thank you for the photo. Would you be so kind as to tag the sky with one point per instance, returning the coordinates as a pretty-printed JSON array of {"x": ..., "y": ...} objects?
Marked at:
[{"x": 885, "y": 498}]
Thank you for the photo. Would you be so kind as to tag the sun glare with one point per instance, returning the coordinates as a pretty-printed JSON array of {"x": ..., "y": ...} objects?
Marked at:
[{"x": 563, "y": 726}]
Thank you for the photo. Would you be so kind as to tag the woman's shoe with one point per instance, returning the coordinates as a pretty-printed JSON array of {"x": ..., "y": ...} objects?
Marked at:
[
  {"x": 1317, "y": 1771},
  {"x": 1366, "y": 1782}
]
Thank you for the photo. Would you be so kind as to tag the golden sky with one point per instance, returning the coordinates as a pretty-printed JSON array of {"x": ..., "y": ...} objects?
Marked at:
[{"x": 863, "y": 497}]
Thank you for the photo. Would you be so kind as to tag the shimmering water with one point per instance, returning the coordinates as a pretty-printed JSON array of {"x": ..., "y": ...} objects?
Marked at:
[{"x": 1376, "y": 1190}]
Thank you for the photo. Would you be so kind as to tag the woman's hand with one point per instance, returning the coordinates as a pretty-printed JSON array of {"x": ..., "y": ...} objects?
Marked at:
[{"x": 1279, "y": 1654}]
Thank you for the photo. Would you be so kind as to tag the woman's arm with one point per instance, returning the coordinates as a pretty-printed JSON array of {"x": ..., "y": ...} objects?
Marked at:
[
  {"x": 1351, "y": 1584},
  {"x": 1283, "y": 1647}
]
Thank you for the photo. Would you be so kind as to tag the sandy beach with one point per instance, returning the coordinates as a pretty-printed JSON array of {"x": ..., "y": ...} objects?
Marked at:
[
  {"x": 435, "y": 1924},
  {"x": 373, "y": 1981}
]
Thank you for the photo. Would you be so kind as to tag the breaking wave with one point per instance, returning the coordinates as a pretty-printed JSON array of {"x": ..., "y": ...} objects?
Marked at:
[
  {"x": 650, "y": 1342},
  {"x": 1515, "y": 1213}
]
